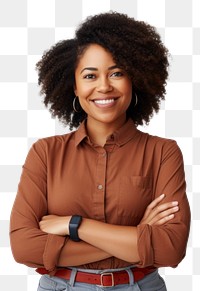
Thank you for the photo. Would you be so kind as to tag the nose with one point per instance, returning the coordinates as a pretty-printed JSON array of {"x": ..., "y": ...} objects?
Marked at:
[{"x": 104, "y": 85}]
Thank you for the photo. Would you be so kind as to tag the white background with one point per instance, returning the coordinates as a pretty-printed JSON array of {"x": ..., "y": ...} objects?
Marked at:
[{"x": 27, "y": 28}]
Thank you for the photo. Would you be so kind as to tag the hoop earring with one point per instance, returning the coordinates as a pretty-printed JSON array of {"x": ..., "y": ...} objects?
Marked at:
[
  {"x": 136, "y": 100},
  {"x": 74, "y": 104}
]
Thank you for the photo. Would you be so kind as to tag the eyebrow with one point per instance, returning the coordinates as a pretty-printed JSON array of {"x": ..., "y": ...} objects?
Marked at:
[{"x": 95, "y": 69}]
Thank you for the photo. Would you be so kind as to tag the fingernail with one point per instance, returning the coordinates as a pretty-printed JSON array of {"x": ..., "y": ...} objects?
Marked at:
[
  {"x": 174, "y": 203},
  {"x": 171, "y": 216},
  {"x": 175, "y": 208},
  {"x": 162, "y": 195}
]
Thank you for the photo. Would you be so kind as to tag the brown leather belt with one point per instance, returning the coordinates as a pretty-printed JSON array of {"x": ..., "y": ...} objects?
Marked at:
[{"x": 107, "y": 279}]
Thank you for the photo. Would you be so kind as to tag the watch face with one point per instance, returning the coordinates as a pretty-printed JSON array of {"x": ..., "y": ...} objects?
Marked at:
[
  {"x": 73, "y": 227},
  {"x": 76, "y": 219}
]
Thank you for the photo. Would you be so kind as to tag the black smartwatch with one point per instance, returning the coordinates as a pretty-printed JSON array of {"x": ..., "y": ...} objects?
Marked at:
[{"x": 74, "y": 224}]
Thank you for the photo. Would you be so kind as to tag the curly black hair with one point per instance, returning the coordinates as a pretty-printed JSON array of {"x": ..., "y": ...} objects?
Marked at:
[{"x": 136, "y": 47}]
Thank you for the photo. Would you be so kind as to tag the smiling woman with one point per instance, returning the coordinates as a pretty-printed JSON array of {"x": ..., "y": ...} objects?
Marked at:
[
  {"x": 104, "y": 90},
  {"x": 105, "y": 205},
  {"x": 140, "y": 53}
]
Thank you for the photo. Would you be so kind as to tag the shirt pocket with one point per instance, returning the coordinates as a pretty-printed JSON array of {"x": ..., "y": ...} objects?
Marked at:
[{"x": 135, "y": 194}]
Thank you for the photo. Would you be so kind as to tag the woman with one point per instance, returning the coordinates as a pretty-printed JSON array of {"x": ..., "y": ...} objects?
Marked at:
[{"x": 105, "y": 205}]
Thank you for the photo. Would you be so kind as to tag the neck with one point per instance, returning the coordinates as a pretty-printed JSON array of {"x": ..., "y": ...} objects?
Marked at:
[{"x": 99, "y": 131}]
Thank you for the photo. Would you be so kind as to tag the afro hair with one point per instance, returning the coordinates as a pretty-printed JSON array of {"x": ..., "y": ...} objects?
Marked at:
[{"x": 135, "y": 46}]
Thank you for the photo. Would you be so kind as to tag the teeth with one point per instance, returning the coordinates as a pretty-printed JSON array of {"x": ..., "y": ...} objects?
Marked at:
[{"x": 106, "y": 101}]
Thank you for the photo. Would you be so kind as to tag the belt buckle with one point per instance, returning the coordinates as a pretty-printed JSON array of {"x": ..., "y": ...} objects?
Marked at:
[{"x": 112, "y": 279}]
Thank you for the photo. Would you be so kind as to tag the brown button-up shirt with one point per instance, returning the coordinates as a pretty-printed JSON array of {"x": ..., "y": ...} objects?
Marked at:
[{"x": 68, "y": 174}]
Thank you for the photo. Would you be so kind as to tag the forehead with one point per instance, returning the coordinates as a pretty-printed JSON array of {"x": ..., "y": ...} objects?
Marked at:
[{"x": 95, "y": 54}]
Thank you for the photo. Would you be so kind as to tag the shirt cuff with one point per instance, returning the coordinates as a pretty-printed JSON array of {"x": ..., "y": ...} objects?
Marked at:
[
  {"x": 144, "y": 239},
  {"x": 52, "y": 251}
]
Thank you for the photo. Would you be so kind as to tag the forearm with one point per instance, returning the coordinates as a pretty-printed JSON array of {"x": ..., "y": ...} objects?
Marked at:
[
  {"x": 118, "y": 241},
  {"x": 106, "y": 240},
  {"x": 76, "y": 254}
]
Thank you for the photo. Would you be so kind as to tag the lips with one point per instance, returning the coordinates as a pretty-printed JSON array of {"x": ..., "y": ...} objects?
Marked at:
[{"x": 104, "y": 101}]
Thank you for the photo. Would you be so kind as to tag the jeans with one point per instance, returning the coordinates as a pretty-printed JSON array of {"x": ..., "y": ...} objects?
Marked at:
[{"x": 151, "y": 282}]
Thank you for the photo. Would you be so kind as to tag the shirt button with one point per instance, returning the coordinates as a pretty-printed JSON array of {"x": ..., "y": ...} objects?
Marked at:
[{"x": 100, "y": 187}]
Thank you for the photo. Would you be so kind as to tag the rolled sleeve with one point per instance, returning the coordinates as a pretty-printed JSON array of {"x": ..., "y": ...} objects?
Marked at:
[
  {"x": 165, "y": 245},
  {"x": 53, "y": 247},
  {"x": 30, "y": 245}
]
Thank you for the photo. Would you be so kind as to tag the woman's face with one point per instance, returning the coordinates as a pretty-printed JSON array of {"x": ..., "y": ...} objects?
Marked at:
[{"x": 104, "y": 90}]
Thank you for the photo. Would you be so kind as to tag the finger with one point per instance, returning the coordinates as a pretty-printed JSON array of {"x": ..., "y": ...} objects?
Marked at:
[
  {"x": 165, "y": 219},
  {"x": 161, "y": 211},
  {"x": 163, "y": 215},
  {"x": 155, "y": 202},
  {"x": 41, "y": 225},
  {"x": 47, "y": 217},
  {"x": 164, "y": 206},
  {"x": 44, "y": 217}
]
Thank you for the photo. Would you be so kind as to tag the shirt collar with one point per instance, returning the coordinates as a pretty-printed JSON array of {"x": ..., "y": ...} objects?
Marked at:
[
  {"x": 125, "y": 133},
  {"x": 119, "y": 137},
  {"x": 81, "y": 133}
]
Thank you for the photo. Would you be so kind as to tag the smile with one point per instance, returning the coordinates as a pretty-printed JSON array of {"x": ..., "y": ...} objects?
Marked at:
[{"x": 104, "y": 101}]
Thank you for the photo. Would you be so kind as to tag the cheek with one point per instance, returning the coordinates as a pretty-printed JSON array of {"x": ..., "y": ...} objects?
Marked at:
[
  {"x": 127, "y": 89},
  {"x": 83, "y": 90},
  {"x": 83, "y": 96},
  {"x": 82, "y": 103}
]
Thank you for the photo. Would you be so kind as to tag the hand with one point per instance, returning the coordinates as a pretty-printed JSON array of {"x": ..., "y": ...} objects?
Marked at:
[
  {"x": 54, "y": 224},
  {"x": 159, "y": 214}
]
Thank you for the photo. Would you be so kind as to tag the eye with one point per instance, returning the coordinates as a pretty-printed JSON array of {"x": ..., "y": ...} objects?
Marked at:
[
  {"x": 89, "y": 76},
  {"x": 117, "y": 74}
]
